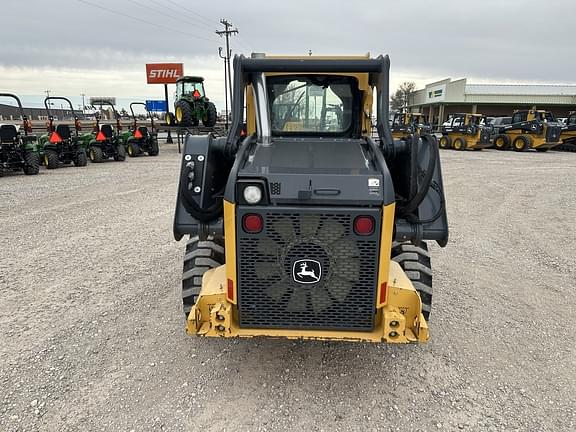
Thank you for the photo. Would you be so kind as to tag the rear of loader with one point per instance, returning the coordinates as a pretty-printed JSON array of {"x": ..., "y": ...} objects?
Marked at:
[{"x": 302, "y": 226}]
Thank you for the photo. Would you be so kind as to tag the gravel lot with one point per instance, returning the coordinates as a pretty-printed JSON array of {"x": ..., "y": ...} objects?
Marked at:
[{"x": 92, "y": 335}]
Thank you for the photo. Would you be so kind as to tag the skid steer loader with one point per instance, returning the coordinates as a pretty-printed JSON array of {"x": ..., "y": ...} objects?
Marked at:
[
  {"x": 404, "y": 124},
  {"x": 568, "y": 136},
  {"x": 466, "y": 131},
  {"x": 529, "y": 129},
  {"x": 302, "y": 226}
]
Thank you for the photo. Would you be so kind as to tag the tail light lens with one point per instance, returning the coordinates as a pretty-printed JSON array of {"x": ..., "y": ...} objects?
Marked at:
[
  {"x": 252, "y": 223},
  {"x": 364, "y": 225}
]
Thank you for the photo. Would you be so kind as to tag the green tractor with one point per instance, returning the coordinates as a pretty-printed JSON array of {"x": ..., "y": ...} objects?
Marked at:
[
  {"x": 106, "y": 142},
  {"x": 59, "y": 146},
  {"x": 18, "y": 151},
  {"x": 191, "y": 104},
  {"x": 138, "y": 139}
]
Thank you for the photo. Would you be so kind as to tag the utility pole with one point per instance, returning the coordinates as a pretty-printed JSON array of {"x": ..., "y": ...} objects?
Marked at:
[
  {"x": 83, "y": 104},
  {"x": 225, "y": 82},
  {"x": 227, "y": 32}
]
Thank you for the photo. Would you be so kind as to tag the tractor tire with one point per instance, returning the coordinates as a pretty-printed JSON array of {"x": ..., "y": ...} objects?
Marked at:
[
  {"x": 51, "y": 159},
  {"x": 502, "y": 142},
  {"x": 541, "y": 149},
  {"x": 81, "y": 160},
  {"x": 415, "y": 261},
  {"x": 459, "y": 144},
  {"x": 120, "y": 155},
  {"x": 184, "y": 113},
  {"x": 31, "y": 163},
  {"x": 96, "y": 155},
  {"x": 200, "y": 257},
  {"x": 445, "y": 142},
  {"x": 210, "y": 116},
  {"x": 170, "y": 119},
  {"x": 522, "y": 143},
  {"x": 154, "y": 148},
  {"x": 133, "y": 149}
]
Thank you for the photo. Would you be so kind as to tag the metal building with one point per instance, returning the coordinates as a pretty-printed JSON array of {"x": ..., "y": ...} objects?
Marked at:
[{"x": 440, "y": 99}]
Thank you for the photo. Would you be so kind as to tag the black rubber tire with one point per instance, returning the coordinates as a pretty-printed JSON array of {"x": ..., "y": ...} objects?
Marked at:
[
  {"x": 541, "y": 149},
  {"x": 521, "y": 143},
  {"x": 170, "y": 119},
  {"x": 200, "y": 257},
  {"x": 133, "y": 149},
  {"x": 415, "y": 261},
  {"x": 445, "y": 142},
  {"x": 120, "y": 155},
  {"x": 187, "y": 113},
  {"x": 96, "y": 155},
  {"x": 502, "y": 139},
  {"x": 462, "y": 145},
  {"x": 154, "y": 148},
  {"x": 51, "y": 159},
  {"x": 211, "y": 115},
  {"x": 31, "y": 163},
  {"x": 81, "y": 160}
]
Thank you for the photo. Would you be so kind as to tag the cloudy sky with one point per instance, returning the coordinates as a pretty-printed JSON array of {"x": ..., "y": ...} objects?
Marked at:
[{"x": 99, "y": 47}]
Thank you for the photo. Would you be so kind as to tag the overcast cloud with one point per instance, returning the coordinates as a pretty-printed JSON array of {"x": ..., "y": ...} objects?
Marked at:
[{"x": 70, "y": 47}]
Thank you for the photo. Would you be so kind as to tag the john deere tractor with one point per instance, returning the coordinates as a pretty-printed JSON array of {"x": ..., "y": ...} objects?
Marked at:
[
  {"x": 302, "y": 225},
  {"x": 59, "y": 146},
  {"x": 191, "y": 104},
  {"x": 405, "y": 124},
  {"x": 529, "y": 129},
  {"x": 466, "y": 131},
  {"x": 139, "y": 139},
  {"x": 106, "y": 142},
  {"x": 18, "y": 149},
  {"x": 568, "y": 136}
]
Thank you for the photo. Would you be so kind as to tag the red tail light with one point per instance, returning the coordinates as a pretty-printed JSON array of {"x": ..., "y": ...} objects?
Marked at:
[
  {"x": 100, "y": 136},
  {"x": 364, "y": 225},
  {"x": 138, "y": 134},
  {"x": 252, "y": 223},
  {"x": 230, "y": 292},
  {"x": 383, "y": 288},
  {"x": 55, "y": 138}
]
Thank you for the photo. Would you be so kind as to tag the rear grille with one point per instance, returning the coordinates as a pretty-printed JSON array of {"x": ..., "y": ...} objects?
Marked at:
[
  {"x": 336, "y": 270},
  {"x": 553, "y": 134}
]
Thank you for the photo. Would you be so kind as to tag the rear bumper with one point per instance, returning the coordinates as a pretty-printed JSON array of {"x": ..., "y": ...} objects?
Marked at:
[{"x": 400, "y": 320}]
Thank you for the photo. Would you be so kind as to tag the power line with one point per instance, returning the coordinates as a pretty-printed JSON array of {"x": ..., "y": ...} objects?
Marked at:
[
  {"x": 208, "y": 20},
  {"x": 144, "y": 21},
  {"x": 179, "y": 11},
  {"x": 160, "y": 11}
]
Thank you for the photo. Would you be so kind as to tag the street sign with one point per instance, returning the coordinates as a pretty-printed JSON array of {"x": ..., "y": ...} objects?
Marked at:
[
  {"x": 156, "y": 105},
  {"x": 163, "y": 73}
]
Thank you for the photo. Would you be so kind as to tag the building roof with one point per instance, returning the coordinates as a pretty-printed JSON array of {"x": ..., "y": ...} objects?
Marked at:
[{"x": 521, "y": 89}]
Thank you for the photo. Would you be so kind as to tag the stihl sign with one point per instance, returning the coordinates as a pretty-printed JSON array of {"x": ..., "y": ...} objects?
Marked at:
[{"x": 163, "y": 73}]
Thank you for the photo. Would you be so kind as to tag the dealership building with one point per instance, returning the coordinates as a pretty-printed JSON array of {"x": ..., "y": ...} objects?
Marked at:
[{"x": 440, "y": 99}]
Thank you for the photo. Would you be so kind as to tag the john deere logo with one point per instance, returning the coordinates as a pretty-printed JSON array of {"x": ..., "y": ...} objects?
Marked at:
[{"x": 306, "y": 271}]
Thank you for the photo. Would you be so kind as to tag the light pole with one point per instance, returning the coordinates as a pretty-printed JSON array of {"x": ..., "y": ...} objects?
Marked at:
[{"x": 83, "y": 104}]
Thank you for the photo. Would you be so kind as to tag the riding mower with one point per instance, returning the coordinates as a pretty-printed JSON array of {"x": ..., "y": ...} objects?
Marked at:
[
  {"x": 301, "y": 226},
  {"x": 18, "y": 150},
  {"x": 191, "y": 104},
  {"x": 536, "y": 129},
  {"x": 466, "y": 131},
  {"x": 105, "y": 142},
  {"x": 59, "y": 146},
  {"x": 568, "y": 136},
  {"x": 139, "y": 139},
  {"x": 405, "y": 124}
]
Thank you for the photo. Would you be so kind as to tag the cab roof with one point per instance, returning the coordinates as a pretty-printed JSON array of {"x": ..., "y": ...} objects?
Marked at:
[{"x": 190, "y": 78}]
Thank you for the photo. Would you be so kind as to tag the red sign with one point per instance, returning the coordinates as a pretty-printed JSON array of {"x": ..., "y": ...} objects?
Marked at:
[{"x": 163, "y": 73}]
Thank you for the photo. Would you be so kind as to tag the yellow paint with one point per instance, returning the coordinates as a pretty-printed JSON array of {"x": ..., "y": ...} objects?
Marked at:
[
  {"x": 230, "y": 245},
  {"x": 385, "y": 249}
]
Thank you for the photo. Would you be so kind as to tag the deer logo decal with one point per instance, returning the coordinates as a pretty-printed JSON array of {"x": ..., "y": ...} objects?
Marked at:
[{"x": 306, "y": 271}]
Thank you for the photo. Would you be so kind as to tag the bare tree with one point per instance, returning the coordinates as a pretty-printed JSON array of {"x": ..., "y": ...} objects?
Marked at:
[{"x": 401, "y": 96}]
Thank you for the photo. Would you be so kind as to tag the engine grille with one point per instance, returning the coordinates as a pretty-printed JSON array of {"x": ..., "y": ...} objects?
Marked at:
[
  {"x": 553, "y": 134},
  {"x": 270, "y": 263}
]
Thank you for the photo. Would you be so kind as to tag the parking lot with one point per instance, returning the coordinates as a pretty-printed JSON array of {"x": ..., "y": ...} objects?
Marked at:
[{"x": 93, "y": 334}]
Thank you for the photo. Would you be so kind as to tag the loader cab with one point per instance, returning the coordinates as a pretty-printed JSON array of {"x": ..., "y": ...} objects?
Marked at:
[{"x": 571, "y": 120}]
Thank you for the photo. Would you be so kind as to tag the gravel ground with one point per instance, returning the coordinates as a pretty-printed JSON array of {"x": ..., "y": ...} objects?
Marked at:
[{"x": 92, "y": 334}]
